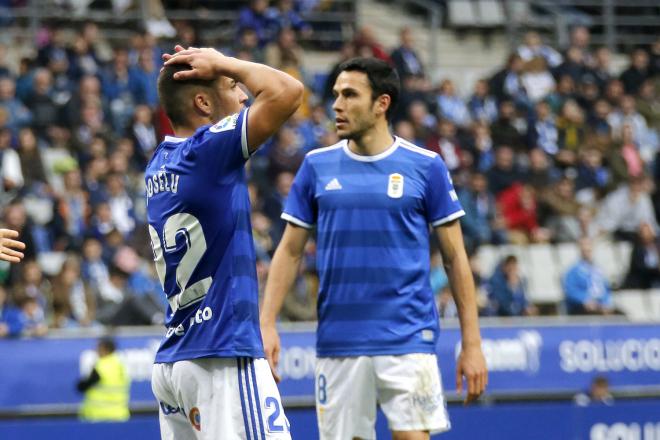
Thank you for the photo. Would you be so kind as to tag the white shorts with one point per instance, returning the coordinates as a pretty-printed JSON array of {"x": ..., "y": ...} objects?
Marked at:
[
  {"x": 407, "y": 387},
  {"x": 219, "y": 398}
]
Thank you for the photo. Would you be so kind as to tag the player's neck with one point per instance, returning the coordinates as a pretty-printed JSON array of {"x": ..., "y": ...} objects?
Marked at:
[
  {"x": 187, "y": 131},
  {"x": 373, "y": 142}
]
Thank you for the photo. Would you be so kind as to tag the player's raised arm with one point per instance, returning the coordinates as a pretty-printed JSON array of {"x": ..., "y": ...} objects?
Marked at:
[
  {"x": 277, "y": 94},
  {"x": 283, "y": 270},
  {"x": 471, "y": 363},
  {"x": 10, "y": 249}
]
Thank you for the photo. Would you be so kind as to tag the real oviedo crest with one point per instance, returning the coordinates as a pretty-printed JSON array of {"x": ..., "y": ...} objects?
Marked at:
[{"x": 395, "y": 186}]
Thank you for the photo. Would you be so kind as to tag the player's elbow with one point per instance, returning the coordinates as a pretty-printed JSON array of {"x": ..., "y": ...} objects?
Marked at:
[{"x": 294, "y": 90}]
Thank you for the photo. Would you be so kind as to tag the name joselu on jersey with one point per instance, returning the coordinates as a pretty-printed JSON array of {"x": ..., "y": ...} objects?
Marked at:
[{"x": 162, "y": 181}]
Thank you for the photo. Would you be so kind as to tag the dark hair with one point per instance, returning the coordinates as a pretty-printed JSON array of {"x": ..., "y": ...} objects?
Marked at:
[
  {"x": 108, "y": 344},
  {"x": 173, "y": 93},
  {"x": 510, "y": 259},
  {"x": 383, "y": 79}
]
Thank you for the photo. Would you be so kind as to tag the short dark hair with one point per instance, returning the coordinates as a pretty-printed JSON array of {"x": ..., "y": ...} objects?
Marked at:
[
  {"x": 383, "y": 78},
  {"x": 108, "y": 344},
  {"x": 173, "y": 93}
]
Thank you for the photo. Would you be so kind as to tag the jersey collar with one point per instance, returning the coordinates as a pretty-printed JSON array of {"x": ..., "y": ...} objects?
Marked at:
[{"x": 373, "y": 158}]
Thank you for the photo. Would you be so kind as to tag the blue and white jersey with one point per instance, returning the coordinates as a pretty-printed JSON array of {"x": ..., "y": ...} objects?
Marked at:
[
  {"x": 199, "y": 221},
  {"x": 372, "y": 215}
]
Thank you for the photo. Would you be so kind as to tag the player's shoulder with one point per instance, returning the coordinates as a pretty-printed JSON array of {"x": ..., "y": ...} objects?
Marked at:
[
  {"x": 325, "y": 153},
  {"x": 416, "y": 152}
]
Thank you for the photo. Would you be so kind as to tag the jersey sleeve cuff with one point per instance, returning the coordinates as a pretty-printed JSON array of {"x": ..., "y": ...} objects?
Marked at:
[
  {"x": 244, "y": 139},
  {"x": 296, "y": 221},
  {"x": 447, "y": 219}
]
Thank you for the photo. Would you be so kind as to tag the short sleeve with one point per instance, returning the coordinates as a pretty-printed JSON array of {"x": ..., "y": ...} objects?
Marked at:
[
  {"x": 300, "y": 208},
  {"x": 442, "y": 205}
]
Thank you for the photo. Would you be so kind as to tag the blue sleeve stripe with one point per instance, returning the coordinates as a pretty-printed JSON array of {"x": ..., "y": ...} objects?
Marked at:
[
  {"x": 296, "y": 221},
  {"x": 244, "y": 139},
  {"x": 449, "y": 218}
]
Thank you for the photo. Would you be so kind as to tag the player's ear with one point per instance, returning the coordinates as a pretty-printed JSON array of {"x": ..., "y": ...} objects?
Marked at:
[
  {"x": 381, "y": 104},
  {"x": 202, "y": 104}
]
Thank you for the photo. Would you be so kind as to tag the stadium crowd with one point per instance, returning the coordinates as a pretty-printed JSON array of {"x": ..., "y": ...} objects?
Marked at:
[{"x": 553, "y": 147}]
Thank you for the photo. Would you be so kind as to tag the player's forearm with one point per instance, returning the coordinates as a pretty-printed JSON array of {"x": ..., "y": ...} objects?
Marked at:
[
  {"x": 462, "y": 288},
  {"x": 282, "y": 274},
  {"x": 281, "y": 90}
]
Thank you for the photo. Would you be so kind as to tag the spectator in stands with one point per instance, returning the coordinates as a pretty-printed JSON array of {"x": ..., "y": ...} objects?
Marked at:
[
  {"x": 32, "y": 166},
  {"x": 644, "y": 268},
  {"x": 121, "y": 204},
  {"x": 580, "y": 39},
  {"x": 254, "y": 17},
  {"x": 445, "y": 142},
  {"x": 284, "y": 16},
  {"x": 11, "y": 324},
  {"x": 11, "y": 175},
  {"x": 533, "y": 47},
  {"x": 541, "y": 172},
  {"x": 482, "y": 147},
  {"x": 287, "y": 152},
  {"x": 587, "y": 291},
  {"x": 481, "y": 223},
  {"x": 602, "y": 69},
  {"x": 519, "y": 208},
  {"x": 423, "y": 123},
  {"x": 274, "y": 204},
  {"x": 542, "y": 130},
  {"x": 561, "y": 211},
  {"x": 33, "y": 318},
  {"x": 451, "y": 106},
  {"x": 599, "y": 393},
  {"x": 597, "y": 122},
  {"x": 628, "y": 115},
  {"x": 504, "y": 130},
  {"x": 143, "y": 135},
  {"x": 33, "y": 285},
  {"x": 116, "y": 86},
  {"x": 648, "y": 105},
  {"x": 73, "y": 300},
  {"x": 506, "y": 84},
  {"x": 367, "y": 45},
  {"x": 507, "y": 290},
  {"x": 593, "y": 177},
  {"x": 482, "y": 106},
  {"x": 405, "y": 58},
  {"x": 40, "y": 102},
  {"x": 504, "y": 173},
  {"x": 18, "y": 114},
  {"x": 537, "y": 80},
  {"x": 638, "y": 71},
  {"x": 144, "y": 78},
  {"x": 571, "y": 126},
  {"x": 624, "y": 210}
]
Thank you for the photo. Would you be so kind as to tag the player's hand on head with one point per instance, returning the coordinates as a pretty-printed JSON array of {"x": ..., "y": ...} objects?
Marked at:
[
  {"x": 205, "y": 63},
  {"x": 471, "y": 365},
  {"x": 10, "y": 249},
  {"x": 271, "y": 348}
]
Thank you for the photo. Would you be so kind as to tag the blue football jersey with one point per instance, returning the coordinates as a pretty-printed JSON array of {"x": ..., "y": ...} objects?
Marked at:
[
  {"x": 199, "y": 222},
  {"x": 372, "y": 215}
]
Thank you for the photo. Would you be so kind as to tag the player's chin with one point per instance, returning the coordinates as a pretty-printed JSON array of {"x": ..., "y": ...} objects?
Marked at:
[{"x": 343, "y": 133}]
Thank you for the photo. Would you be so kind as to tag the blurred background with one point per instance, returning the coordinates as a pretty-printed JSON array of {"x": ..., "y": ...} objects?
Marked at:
[{"x": 547, "y": 114}]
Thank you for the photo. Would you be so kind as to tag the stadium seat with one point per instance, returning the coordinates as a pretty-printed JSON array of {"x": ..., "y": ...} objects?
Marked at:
[
  {"x": 566, "y": 254},
  {"x": 490, "y": 13},
  {"x": 489, "y": 257},
  {"x": 654, "y": 304},
  {"x": 544, "y": 277},
  {"x": 634, "y": 304},
  {"x": 605, "y": 257},
  {"x": 51, "y": 262},
  {"x": 462, "y": 13}
]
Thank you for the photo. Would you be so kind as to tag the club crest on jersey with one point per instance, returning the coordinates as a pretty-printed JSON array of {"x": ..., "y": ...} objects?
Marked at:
[
  {"x": 395, "y": 186},
  {"x": 225, "y": 124}
]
